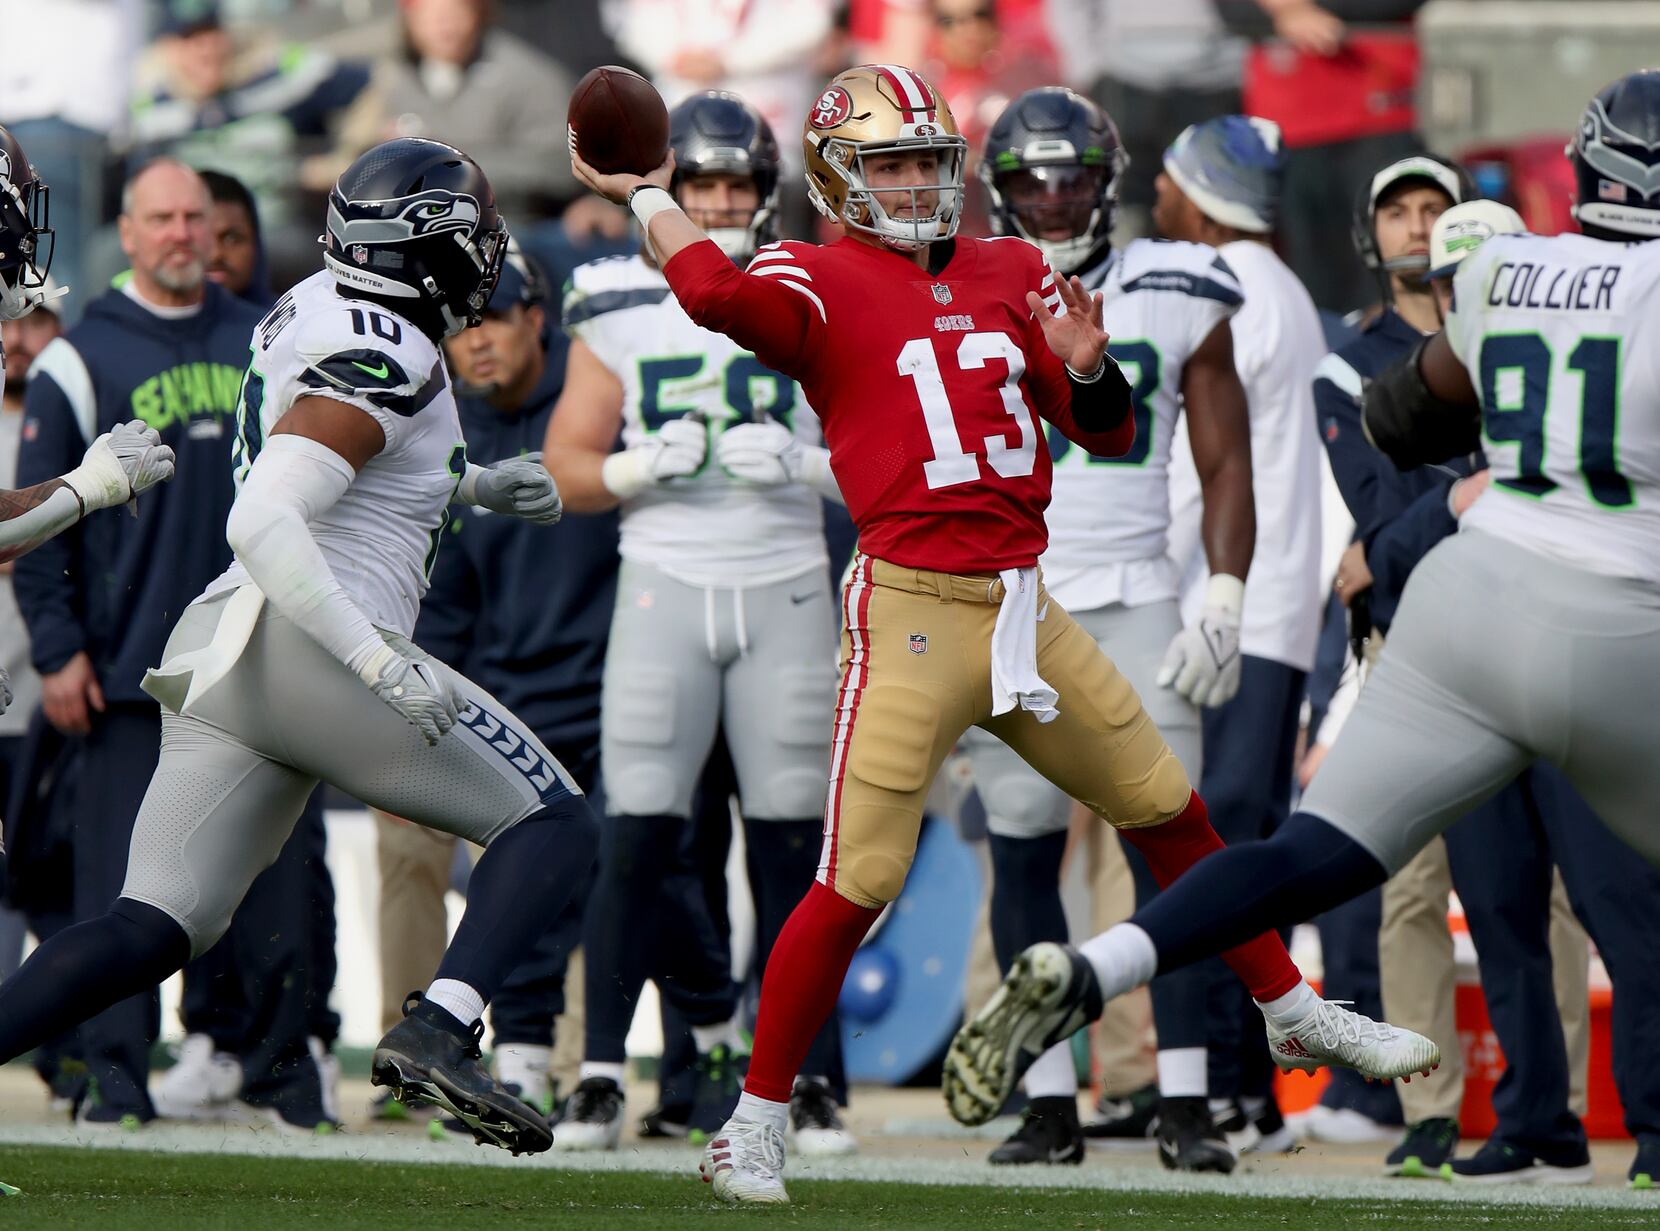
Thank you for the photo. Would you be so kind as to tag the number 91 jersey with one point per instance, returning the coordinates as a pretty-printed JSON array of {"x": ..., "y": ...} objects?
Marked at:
[
  {"x": 381, "y": 536},
  {"x": 707, "y": 529},
  {"x": 1561, "y": 337}
]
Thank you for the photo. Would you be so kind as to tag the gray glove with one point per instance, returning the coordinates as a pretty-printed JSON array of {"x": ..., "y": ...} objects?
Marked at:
[
  {"x": 5, "y": 691},
  {"x": 414, "y": 687},
  {"x": 521, "y": 487},
  {"x": 124, "y": 461}
]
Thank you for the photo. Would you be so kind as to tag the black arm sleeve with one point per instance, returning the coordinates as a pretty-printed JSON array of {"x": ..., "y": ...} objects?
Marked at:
[
  {"x": 1101, "y": 405},
  {"x": 1410, "y": 425}
]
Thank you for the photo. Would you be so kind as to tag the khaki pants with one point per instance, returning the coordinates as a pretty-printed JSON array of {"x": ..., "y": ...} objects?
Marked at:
[
  {"x": 916, "y": 674},
  {"x": 1415, "y": 958}
]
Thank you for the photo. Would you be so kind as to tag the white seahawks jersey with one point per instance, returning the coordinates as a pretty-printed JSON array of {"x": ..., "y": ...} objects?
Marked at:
[
  {"x": 1561, "y": 336},
  {"x": 1109, "y": 519},
  {"x": 708, "y": 529},
  {"x": 380, "y": 537}
]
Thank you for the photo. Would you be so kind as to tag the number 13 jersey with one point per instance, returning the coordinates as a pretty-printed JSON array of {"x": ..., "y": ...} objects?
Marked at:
[
  {"x": 928, "y": 386},
  {"x": 1561, "y": 337}
]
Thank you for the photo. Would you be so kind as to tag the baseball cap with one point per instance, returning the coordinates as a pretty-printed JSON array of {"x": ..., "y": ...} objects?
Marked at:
[
  {"x": 181, "y": 17},
  {"x": 521, "y": 281},
  {"x": 1416, "y": 167},
  {"x": 1464, "y": 228},
  {"x": 1231, "y": 168}
]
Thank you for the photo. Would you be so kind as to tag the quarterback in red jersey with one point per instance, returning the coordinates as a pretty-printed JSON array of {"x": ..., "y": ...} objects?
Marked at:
[{"x": 929, "y": 360}]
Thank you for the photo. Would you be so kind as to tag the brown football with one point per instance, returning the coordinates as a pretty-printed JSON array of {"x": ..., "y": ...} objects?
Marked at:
[{"x": 618, "y": 122}]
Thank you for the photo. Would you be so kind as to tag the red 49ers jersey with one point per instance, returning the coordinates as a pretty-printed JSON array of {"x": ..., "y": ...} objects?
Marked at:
[{"x": 929, "y": 386}]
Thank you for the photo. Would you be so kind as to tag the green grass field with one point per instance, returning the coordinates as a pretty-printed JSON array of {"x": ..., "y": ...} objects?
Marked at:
[{"x": 118, "y": 1189}]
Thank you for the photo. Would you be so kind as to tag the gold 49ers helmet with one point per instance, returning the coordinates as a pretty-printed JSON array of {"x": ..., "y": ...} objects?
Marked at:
[{"x": 877, "y": 109}]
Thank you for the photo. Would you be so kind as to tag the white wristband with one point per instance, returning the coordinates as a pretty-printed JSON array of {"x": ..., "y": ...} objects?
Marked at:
[
  {"x": 1225, "y": 591},
  {"x": 624, "y": 474},
  {"x": 648, "y": 202}
]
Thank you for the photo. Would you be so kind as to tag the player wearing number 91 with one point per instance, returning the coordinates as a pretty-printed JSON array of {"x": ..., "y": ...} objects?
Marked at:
[
  {"x": 1532, "y": 633},
  {"x": 724, "y": 616},
  {"x": 295, "y": 665},
  {"x": 930, "y": 360}
]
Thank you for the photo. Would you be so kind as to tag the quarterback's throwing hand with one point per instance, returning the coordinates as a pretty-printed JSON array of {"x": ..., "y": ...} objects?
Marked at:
[
  {"x": 521, "y": 487},
  {"x": 1202, "y": 663},
  {"x": 616, "y": 187},
  {"x": 764, "y": 453},
  {"x": 1075, "y": 335}
]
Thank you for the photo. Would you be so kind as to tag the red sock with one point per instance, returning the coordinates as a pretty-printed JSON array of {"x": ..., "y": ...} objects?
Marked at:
[
  {"x": 804, "y": 976},
  {"x": 1171, "y": 849}
]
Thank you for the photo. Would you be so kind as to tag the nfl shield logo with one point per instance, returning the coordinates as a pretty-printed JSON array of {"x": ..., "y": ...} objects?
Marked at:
[
  {"x": 942, "y": 293},
  {"x": 919, "y": 643},
  {"x": 360, "y": 254}
]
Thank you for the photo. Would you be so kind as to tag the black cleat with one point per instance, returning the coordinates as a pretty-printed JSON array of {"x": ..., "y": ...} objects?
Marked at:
[
  {"x": 719, "y": 1081},
  {"x": 1189, "y": 1139},
  {"x": 424, "y": 1061},
  {"x": 1048, "y": 1133},
  {"x": 1129, "y": 1121},
  {"x": 1049, "y": 994},
  {"x": 1427, "y": 1146},
  {"x": 665, "y": 1122}
]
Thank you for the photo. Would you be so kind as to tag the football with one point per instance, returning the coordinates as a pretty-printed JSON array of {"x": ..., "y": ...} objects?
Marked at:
[{"x": 617, "y": 122}]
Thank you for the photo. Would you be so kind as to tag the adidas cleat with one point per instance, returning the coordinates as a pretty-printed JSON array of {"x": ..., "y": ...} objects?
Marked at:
[
  {"x": 1333, "y": 1035},
  {"x": 744, "y": 1164},
  {"x": 424, "y": 1063},
  {"x": 1049, "y": 994}
]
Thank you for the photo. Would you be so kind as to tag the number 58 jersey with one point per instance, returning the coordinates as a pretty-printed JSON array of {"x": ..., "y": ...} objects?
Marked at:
[
  {"x": 1561, "y": 337},
  {"x": 380, "y": 537}
]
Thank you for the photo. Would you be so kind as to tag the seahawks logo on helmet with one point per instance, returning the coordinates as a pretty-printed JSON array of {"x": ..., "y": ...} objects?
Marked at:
[
  {"x": 1616, "y": 158},
  {"x": 430, "y": 215}
]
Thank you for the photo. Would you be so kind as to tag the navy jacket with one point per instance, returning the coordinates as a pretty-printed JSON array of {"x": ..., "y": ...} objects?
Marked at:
[
  {"x": 525, "y": 611},
  {"x": 1398, "y": 514},
  {"x": 114, "y": 585}
]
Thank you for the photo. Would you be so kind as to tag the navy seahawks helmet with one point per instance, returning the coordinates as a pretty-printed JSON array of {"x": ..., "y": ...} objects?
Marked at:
[
  {"x": 1616, "y": 159},
  {"x": 413, "y": 222},
  {"x": 717, "y": 133},
  {"x": 1430, "y": 169},
  {"x": 26, "y": 240},
  {"x": 1052, "y": 163}
]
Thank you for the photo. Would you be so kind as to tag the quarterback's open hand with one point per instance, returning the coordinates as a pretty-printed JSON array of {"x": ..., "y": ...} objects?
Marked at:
[
  {"x": 617, "y": 186},
  {"x": 1075, "y": 336},
  {"x": 520, "y": 487}
]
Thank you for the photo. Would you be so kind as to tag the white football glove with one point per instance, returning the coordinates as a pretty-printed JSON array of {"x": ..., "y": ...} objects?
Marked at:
[
  {"x": 1202, "y": 663},
  {"x": 413, "y": 687},
  {"x": 122, "y": 462},
  {"x": 520, "y": 487},
  {"x": 677, "y": 450},
  {"x": 764, "y": 453}
]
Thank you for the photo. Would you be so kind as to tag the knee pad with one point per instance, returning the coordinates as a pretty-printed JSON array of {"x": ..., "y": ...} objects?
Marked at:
[
  {"x": 1023, "y": 805},
  {"x": 643, "y": 775}
]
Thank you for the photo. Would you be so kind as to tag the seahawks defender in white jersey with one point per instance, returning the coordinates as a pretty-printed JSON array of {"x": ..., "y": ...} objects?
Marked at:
[
  {"x": 119, "y": 464},
  {"x": 1051, "y": 165},
  {"x": 1534, "y": 632},
  {"x": 295, "y": 665},
  {"x": 724, "y": 619}
]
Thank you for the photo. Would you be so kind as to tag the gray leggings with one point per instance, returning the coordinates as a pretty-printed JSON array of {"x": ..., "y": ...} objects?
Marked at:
[{"x": 236, "y": 772}]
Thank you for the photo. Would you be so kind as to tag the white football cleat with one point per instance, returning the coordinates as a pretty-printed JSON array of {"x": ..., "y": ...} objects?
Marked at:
[
  {"x": 1334, "y": 1035},
  {"x": 816, "y": 1128},
  {"x": 744, "y": 1164},
  {"x": 201, "y": 1085},
  {"x": 593, "y": 1117},
  {"x": 1049, "y": 994}
]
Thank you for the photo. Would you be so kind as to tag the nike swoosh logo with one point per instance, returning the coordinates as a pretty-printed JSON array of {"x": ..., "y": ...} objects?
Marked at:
[
  {"x": 798, "y": 599},
  {"x": 378, "y": 373}
]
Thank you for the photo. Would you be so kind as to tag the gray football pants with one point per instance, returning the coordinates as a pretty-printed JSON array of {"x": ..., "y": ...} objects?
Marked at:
[
  {"x": 1022, "y": 803},
  {"x": 759, "y": 663},
  {"x": 1499, "y": 655},
  {"x": 236, "y": 772}
]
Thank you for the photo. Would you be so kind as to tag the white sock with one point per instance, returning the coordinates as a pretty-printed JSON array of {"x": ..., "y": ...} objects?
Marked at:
[
  {"x": 1253, "y": 1107},
  {"x": 1184, "y": 1072},
  {"x": 1287, "y": 1010},
  {"x": 460, "y": 1000},
  {"x": 1053, "y": 1074},
  {"x": 1123, "y": 957},
  {"x": 758, "y": 1110},
  {"x": 708, "y": 1038},
  {"x": 599, "y": 1068}
]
